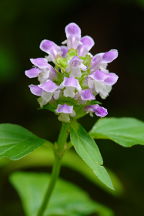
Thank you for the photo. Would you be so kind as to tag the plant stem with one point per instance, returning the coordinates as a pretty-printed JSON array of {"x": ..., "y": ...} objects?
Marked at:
[
  {"x": 56, "y": 167},
  {"x": 63, "y": 137},
  {"x": 54, "y": 176}
]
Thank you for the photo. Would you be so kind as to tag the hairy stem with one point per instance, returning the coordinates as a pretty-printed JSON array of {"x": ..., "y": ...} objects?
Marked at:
[{"x": 59, "y": 151}]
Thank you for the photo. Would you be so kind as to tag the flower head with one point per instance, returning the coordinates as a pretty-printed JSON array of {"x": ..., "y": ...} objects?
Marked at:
[{"x": 72, "y": 82}]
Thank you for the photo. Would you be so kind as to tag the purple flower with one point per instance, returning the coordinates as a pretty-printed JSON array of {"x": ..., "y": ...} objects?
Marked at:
[
  {"x": 86, "y": 43},
  {"x": 86, "y": 95},
  {"x": 39, "y": 62},
  {"x": 50, "y": 48},
  {"x": 64, "y": 51},
  {"x": 71, "y": 73},
  {"x": 111, "y": 79},
  {"x": 64, "y": 109},
  {"x": 70, "y": 84},
  {"x": 107, "y": 78},
  {"x": 36, "y": 90},
  {"x": 50, "y": 90},
  {"x": 73, "y": 34},
  {"x": 110, "y": 56},
  {"x": 100, "y": 61},
  {"x": 96, "y": 62},
  {"x": 33, "y": 72},
  {"x": 97, "y": 109},
  {"x": 98, "y": 75},
  {"x": 48, "y": 73},
  {"x": 75, "y": 66},
  {"x": 49, "y": 86},
  {"x": 65, "y": 112},
  {"x": 101, "y": 82}
]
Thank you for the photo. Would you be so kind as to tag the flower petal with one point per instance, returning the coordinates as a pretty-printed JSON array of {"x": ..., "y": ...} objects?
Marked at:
[
  {"x": 69, "y": 92},
  {"x": 35, "y": 90},
  {"x": 100, "y": 111},
  {"x": 98, "y": 75},
  {"x": 48, "y": 86},
  {"x": 72, "y": 29},
  {"x": 51, "y": 48},
  {"x": 64, "y": 109},
  {"x": 87, "y": 41},
  {"x": 97, "y": 109},
  {"x": 64, "y": 51},
  {"x": 111, "y": 79},
  {"x": 96, "y": 61},
  {"x": 75, "y": 62},
  {"x": 110, "y": 55},
  {"x": 71, "y": 82},
  {"x": 39, "y": 62},
  {"x": 46, "y": 45},
  {"x": 73, "y": 34},
  {"x": 87, "y": 95},
  {"x": 32, "y": 73}
]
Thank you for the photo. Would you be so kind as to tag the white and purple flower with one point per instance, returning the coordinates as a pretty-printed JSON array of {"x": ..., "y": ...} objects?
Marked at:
[
  {"x": 76, "y": 82},
  {"x": 65, "y": 112},
  {"x": 97, "y": 109},
  {"x": 70, "y": 86},
  {"x": 75, "y": 66},
  {"x": 101, "y": 82}
]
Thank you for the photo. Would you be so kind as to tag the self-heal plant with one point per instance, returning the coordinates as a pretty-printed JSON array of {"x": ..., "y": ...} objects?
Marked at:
[
  {"x": 69, "y": 88},
  {"x": 70, "y": 79}
]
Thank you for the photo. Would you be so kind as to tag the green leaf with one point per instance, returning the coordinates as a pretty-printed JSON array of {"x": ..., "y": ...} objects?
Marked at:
[
  {"x": 88, "y": 150},
  {"x": 66, "y": 200},
  {"x": 124, "y": 131},
  {"x": 16, "y": 141},
  {"x": 73, "y": 161},
  {"x": 43, "y": 157}
]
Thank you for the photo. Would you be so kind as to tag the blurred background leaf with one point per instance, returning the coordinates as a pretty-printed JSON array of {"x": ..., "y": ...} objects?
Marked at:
[
  {"x": 43, "y": 157},
  {"x": 8, "y": 65},
  {"x": 66, "y": 199}
]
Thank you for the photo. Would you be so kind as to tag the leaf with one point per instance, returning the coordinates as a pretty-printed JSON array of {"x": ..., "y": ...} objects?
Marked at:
[
  {"x": 124, "y": 131},
  {"x": 16, "y": 141},
  {"x": 43, "y": 157},
  {"x": 66, "y": 199},
  {"x": 73, "y": 161},
  {"x": 88, "y": 150}
]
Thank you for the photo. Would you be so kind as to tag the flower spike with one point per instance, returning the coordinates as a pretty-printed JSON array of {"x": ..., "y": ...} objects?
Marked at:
[{"x": 70, "y": 77}]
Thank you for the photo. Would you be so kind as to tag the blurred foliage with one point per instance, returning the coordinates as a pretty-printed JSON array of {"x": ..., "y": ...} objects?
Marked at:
[
  {"x": 43, "y": 157},
  {"x": 8, "y": 65},
  {"x": 66, "y": 199}
]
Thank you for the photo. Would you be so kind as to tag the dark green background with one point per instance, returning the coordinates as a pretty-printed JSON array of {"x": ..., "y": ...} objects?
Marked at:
[{"x": 113, "y": 24}]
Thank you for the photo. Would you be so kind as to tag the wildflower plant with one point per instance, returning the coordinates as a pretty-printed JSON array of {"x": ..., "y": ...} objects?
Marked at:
[
  {"x": 70, "y": 79},
  {"x": 69, "y": 86}
]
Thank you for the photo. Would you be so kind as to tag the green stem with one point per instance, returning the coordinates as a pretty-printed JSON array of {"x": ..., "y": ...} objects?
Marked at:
[
  {"x": 63, "y": 138},
  {"x": 56, "y": 167},
  {"x": 54, "y": 176}
]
